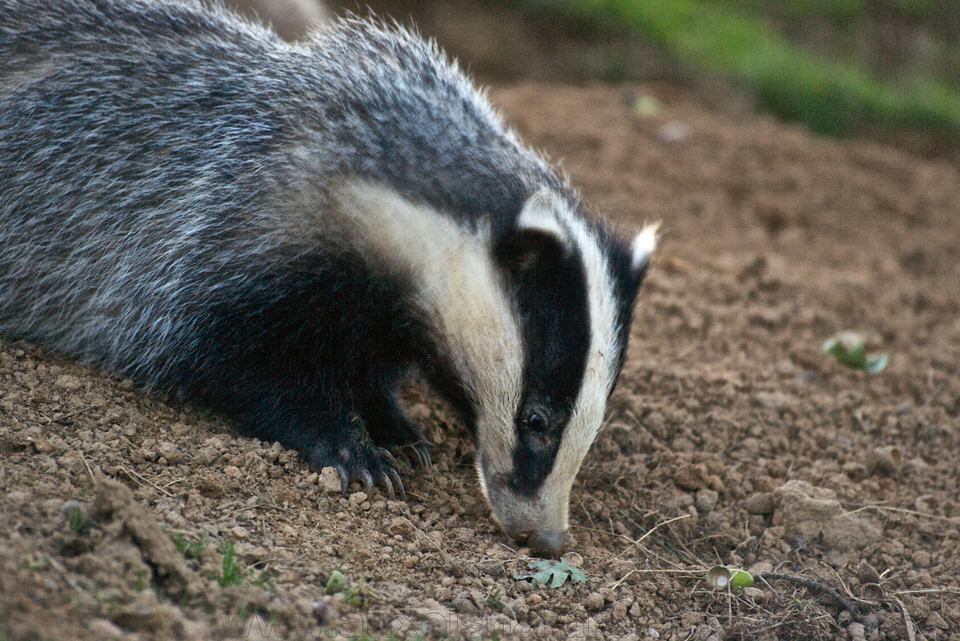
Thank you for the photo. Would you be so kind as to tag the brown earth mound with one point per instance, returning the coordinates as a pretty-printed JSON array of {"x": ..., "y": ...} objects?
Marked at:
[{"x": 732, "y": 439}]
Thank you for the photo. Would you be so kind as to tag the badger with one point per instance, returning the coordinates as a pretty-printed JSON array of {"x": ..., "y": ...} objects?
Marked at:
[{"x": 283, "y": 232}]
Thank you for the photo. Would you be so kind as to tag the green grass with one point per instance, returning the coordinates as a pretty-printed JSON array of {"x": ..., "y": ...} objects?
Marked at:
[
  {"x": 77, "y": 520},
  {"x": 840, "y": 12},
  {"x": 191, "y": 549},
  {"x": 843, "y": 12},
  {"x": 232, "y": 572},
  {"x": 141, "y": 582},
  {"x": 831, "y": 98}
]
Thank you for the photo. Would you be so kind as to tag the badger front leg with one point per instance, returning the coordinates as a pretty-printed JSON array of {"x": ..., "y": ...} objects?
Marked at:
[
  {"x": 388, "y": 424},
  {"x": 322, "y": 423}
]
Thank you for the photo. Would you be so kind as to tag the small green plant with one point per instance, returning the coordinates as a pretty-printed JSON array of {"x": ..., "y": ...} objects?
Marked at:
[
  {"x": 264, "y": 581},
  {"x": 231, "y": 571},
  {"x": 849, "y": 348},
  {"x": 336, "y": 583},
  {"x": 552, "y": 573},
  {"x": 141, "y": 582},
  {"x": 722, "y": 578},
  {"x": 495, "y": 602},
  {"x": 190, "y": 548},
  {"x": 358, "y": 597},
  {"x": 76, "y": 516},
  {"x": 77, "y": 520}
]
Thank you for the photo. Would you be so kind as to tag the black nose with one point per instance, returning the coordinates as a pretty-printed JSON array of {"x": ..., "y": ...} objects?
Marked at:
[{"x": 546, "y": 543}]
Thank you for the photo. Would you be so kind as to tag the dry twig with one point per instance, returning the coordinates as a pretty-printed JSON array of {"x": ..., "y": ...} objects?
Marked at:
[{"x": 814, "y": 586}]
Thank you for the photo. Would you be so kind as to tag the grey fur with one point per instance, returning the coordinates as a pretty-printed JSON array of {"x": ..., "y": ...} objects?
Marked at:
[
  {"x": 116, "y": 182},
  {"x": 171, "y": 201}
]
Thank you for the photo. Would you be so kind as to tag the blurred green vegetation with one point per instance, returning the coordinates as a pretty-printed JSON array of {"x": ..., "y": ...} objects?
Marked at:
[
  {"x": 845, "y": 11},
  {"x": 739, "y": 39}
]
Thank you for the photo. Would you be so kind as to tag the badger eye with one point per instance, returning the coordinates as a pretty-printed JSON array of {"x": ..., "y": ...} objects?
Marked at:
[{"x": 536, "y": 421}]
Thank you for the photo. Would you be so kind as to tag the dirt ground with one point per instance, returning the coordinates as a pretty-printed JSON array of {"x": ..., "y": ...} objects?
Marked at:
[{"x": 732, "y": 439}]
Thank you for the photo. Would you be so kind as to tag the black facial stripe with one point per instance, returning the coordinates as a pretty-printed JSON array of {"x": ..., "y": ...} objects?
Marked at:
[
  {"x": 626, "y": 284},
  {"x": 554, "y": 307}
]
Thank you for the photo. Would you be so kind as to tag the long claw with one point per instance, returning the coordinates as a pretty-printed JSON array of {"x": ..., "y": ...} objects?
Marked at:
[
  {"x": 388, "y": 486},
  {"x": 366, "y": 477},
  {"x": 408, "y": 456},
  {"x": 422, "y": 454},
  {"x": 344, "y": 478},
  {"x": 399, "y": 483},
  {"x": 426, "y": 455},
  {"x": 390, "y": 457}
]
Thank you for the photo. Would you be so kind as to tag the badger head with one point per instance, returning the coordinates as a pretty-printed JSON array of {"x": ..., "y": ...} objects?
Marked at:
[
  {"x": 529, "y": 319},
  {"x": 571, "y": 284}
]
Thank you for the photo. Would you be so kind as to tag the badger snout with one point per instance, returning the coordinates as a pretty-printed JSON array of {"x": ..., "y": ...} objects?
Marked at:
[
  {"x": 537, "y": 520},
  {"x": 544, "y": 543}
]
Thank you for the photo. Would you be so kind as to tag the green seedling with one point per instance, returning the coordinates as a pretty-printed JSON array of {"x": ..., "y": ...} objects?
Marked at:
[
  {"x": 357, "y": 597},
  {"x": 231, "y": 571},
  {"x": 722, "y": 578},
  {"x": 849, "y": 348},
  {"x": 190, "y": 548},
  {"x": 141, "y": 582},
  {"x": 77, "y": 520},
  {"x": 552, "y": 573},
  {"x": 336, "y": 583},
  {"x": 495, "y": 602}
]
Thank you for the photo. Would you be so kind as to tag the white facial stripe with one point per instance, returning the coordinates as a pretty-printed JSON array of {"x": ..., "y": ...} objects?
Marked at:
[
  {"x": 599, "y": 374},
  {"x": 460, "y": 294}
]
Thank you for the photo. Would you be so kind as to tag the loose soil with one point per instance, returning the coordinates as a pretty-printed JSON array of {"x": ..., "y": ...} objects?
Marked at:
[{"x": 732, "y": 440}]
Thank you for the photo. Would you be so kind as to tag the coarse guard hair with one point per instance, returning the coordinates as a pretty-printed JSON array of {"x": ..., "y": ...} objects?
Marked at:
[{"x": 284, "y": 232}]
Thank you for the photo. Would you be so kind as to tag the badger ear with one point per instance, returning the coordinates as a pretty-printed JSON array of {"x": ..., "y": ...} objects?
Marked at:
[
  {"x": 641, "y": 251},
  {"x": 536, "y": 234}
]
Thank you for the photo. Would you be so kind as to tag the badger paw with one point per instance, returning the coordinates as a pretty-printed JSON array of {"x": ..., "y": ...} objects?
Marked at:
[
  {"x": 417, "y": 453},
  {"x": 406, "y": 439},
  {"x": 366, "y": 463}
]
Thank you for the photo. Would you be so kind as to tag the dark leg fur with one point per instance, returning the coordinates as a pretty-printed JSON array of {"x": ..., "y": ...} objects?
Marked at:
[
  {"x": 313, "y": 369},
  {"x": 320, "y": 422},
  {"x": 389, "y": 426}
]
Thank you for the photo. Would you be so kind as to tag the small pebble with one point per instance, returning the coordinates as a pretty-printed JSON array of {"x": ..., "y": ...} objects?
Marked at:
[
  {"x": 329, "y": 480},
  {"x": 170, "y": 452},
  {"x": 856, "y": 631},
  {"x": 760, "y": 503},
  {"x": 594, "y": 601},
  {"x": 706, "y": 500}
]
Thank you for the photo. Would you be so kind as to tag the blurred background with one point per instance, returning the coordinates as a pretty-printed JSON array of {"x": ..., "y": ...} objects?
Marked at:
[{"x": 887, "y": 69}]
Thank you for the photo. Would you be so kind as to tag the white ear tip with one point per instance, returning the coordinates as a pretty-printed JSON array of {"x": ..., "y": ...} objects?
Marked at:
[
  {"x": 540, "y": 213},
  {"x": 643, "y": 246}
]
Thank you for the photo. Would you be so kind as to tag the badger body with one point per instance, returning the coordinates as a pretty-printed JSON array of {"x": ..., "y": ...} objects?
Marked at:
[{"x": 282, "y": 232}]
